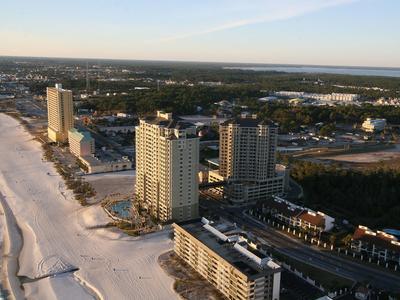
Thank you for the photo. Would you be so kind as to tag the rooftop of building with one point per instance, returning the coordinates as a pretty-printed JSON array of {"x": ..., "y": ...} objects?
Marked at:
[
  {"x": 375, "y": 119},
  {"x": 312, "y": 218},
  {"x": 58, "y": 86},
  {"x": 284, "y": 208},
  {"x": 378, "y": 238},
  {"x": 99, "y": 161},
  {"x": 213, "y": 161},
  {"x": 222, "y": 239},
  {"x": 81, "y": 135},
  {"x": 203, "y": 119},
  {"x": 168, "y": 120}
]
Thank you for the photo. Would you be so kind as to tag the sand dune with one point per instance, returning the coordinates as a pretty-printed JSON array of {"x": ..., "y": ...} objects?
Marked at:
[{"x": 59, "y": 246}]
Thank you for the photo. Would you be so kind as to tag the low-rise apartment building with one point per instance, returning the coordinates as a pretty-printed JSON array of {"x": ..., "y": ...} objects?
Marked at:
[
  {"x": 117, "y": 129},
  {"x": 214, "y": 177},
  {"x": 234, "y": 266},
  {"x": 374, "y": 125},
  {"x": 376, "y": 244},
  {"x": 298, "y": 216},
  {"x": 94, "y": 165},
  {"x": 340, "y": 97}
]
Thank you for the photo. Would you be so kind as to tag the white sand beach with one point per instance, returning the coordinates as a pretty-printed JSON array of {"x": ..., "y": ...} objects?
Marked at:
[
  {"x": 122, "y": 183},
  {"x": 50, "y": 241}
]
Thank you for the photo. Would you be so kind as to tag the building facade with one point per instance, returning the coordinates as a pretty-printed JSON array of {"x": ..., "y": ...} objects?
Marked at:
[
  {"x": 60, "y": 113},
  {"x": 167, "y": 156},
  {"x": 94, "y": 165},
  {"x": 81, "y": 143},
  {"x": 376, "y": 244},
  {"x": 229, "y": 262},
  {"x": 247, "y": 159},
  {"x": 297, "y": 216},
  {"x": 374, "y": 125},
  {"x": 340, "y": 97}
]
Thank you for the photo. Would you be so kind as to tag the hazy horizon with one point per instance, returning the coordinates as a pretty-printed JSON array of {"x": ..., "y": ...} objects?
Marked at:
[
  {"x": 225, "y": 64},
  {"x": 301, "y": 32}
]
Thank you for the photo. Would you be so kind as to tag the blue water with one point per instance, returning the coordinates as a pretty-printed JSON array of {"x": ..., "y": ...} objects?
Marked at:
[
  {"x": 122, "y": 209},
  {"x": 359, "y": 71}
]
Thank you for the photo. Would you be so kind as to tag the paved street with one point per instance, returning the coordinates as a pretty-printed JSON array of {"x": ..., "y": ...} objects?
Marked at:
[{"x": 295, "y": 249}]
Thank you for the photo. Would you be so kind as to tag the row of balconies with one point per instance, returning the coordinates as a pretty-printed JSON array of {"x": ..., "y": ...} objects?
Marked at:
[{"x": 230, "y": 284}]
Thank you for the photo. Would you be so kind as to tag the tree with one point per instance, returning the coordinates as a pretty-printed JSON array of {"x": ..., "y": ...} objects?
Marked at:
[
  {"x": 347, "y": 240},
  {"x": 368, "y": 196},
  {"x": 327, "y": 130}
]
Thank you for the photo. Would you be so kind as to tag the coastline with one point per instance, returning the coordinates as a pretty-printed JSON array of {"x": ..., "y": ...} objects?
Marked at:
[
  {"x": 60, "y": 253},
  {"x": 13, "y": 244}
]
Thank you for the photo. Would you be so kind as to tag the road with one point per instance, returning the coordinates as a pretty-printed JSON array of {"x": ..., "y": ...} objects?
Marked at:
[{"x": 295, "y": 249}]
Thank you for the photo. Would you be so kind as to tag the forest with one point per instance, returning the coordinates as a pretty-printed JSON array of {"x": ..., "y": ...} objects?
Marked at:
[{"x": 368, "y": 197}]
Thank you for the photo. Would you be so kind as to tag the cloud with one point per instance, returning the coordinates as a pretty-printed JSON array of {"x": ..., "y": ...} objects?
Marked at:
[{"x": 283, "y": 12}]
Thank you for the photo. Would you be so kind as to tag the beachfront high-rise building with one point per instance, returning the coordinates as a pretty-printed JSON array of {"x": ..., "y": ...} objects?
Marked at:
[
  {"x": 81, "y": 143},
  {"x": 227, "y": 260},
  {"x": 60, "y": 113},
  {"x": 167, "y": 157},
  {"x": 247, "y": 159}
]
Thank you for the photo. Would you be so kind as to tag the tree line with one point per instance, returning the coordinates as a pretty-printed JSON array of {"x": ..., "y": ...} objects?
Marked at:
[{"x": 369, "y": 196}]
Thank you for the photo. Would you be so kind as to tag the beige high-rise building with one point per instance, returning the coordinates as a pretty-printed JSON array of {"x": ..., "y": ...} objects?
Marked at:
[
  {"x": 247, "y": 159},
  {"x": 167, "y": 157},
  {"x": 227, "y": 260},
  {"x": 60, "y": 113}
]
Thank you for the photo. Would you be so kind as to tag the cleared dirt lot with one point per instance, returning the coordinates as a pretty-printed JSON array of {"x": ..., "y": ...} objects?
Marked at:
[{"x": 368, "y": 157}]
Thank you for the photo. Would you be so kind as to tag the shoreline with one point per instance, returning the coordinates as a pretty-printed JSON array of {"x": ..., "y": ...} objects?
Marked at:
[
  {"x": 13, "y": 243},
  {"x": 109, "y": 263}
]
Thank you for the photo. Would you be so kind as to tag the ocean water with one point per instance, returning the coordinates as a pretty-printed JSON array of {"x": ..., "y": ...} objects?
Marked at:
[{"x": 360, "y": 71}]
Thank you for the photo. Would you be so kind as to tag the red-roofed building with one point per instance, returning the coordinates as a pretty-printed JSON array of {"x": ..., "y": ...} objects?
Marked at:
[
  {"x": 297, "y": 216},
  {"x": 312, "y": 220},
  {"x": 376, "y": 244}
]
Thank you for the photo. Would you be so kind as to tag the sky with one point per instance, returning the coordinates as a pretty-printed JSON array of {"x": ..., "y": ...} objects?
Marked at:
[{"x": 317, "y": 32}]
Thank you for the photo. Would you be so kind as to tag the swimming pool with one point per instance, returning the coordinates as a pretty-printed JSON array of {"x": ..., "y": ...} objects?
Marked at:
[{"x": 122, "y": 209}]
